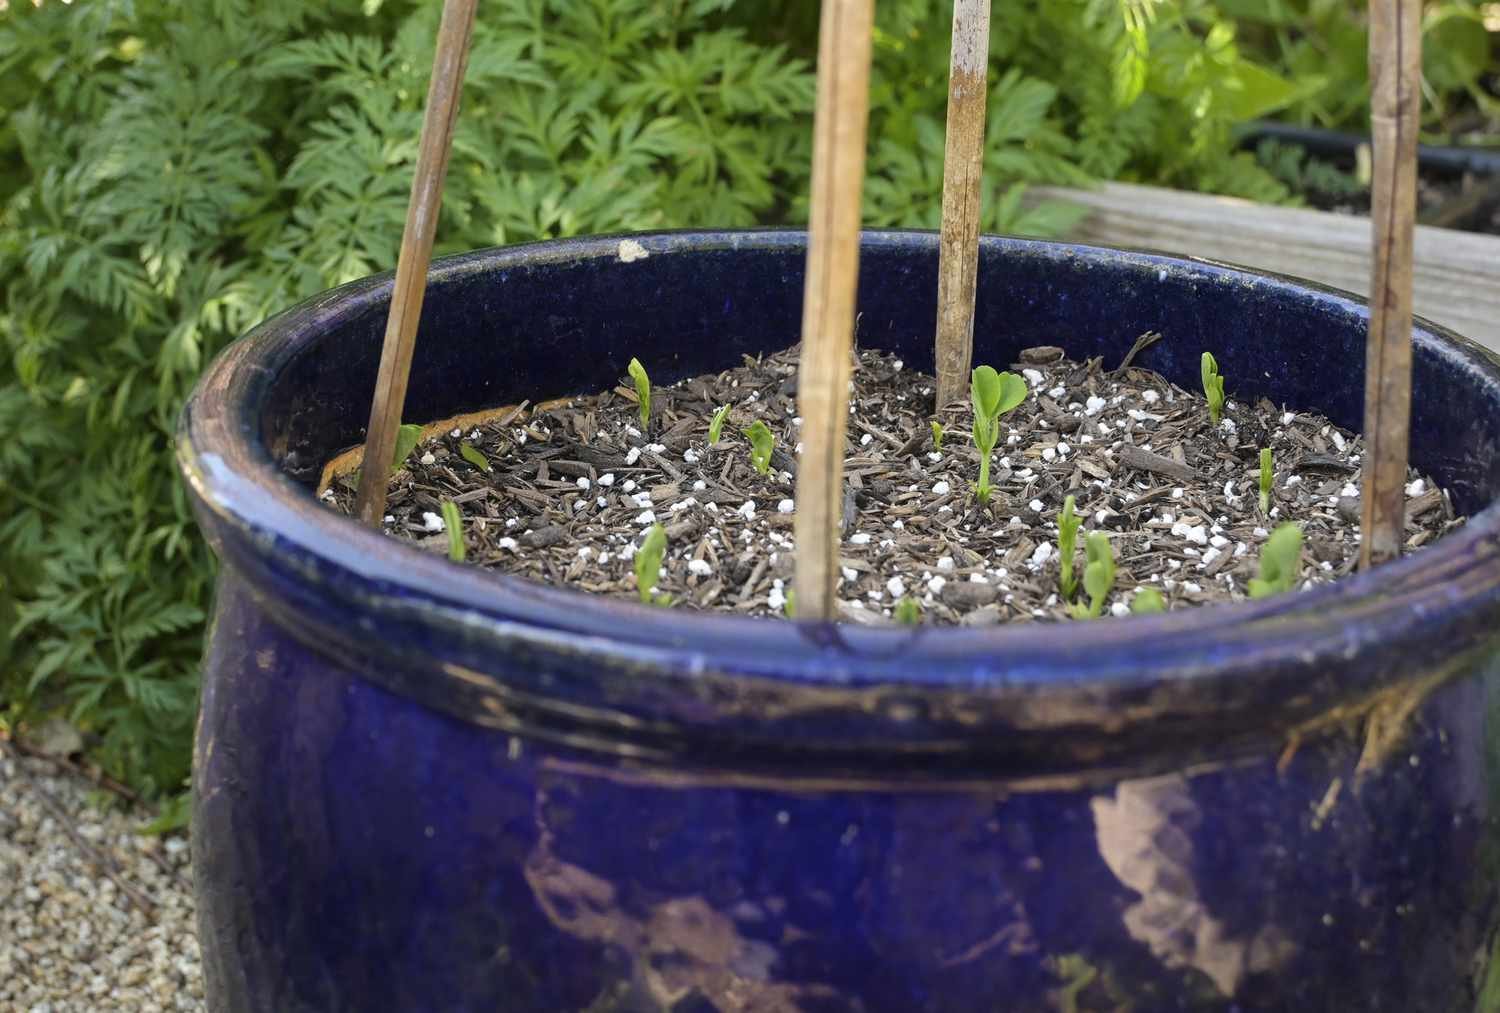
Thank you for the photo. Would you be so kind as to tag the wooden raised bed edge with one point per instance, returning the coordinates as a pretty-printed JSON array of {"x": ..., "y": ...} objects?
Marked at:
[{"x": 1457, "y": 273}]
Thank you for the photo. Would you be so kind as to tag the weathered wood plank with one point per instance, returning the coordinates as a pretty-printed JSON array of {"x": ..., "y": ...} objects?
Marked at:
[{"x": 1457, "y": 274}]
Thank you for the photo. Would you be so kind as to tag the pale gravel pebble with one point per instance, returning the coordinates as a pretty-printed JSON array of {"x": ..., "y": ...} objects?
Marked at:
[{"x": 70, "y": 941}]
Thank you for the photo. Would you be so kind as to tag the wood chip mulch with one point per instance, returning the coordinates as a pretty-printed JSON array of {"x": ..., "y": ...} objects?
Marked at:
[{"x": 573, "y": 488}]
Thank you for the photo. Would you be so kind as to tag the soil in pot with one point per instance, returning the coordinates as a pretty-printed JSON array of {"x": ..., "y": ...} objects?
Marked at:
[{"x": 566, "y": 492}]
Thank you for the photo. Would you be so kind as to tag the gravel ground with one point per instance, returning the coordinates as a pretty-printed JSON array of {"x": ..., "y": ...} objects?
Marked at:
[{"x": 75, "y": 935}]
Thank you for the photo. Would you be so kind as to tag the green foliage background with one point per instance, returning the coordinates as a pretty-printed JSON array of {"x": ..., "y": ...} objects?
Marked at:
[
  {"x": 1323, "y": 44},
  {"x": 172, "y": 171}
]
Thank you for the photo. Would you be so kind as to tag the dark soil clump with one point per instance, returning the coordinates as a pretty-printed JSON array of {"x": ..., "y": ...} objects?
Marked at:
[{"x": 571, "y": 490}]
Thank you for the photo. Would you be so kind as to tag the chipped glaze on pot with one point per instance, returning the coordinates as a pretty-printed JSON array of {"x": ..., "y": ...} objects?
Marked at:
[{"x": 420, "y": 786}]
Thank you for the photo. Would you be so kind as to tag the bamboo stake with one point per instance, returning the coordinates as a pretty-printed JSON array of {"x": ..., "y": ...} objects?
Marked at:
[
  {"x": 963, "y": 168},
  {"x": 1395, "y": 82},
  {"x": 416, "y": 254},
  {"x": 844, "y": 40}
]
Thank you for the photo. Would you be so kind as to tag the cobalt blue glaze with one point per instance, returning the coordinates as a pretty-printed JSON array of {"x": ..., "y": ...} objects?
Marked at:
[{"x": 420, "y": 786}]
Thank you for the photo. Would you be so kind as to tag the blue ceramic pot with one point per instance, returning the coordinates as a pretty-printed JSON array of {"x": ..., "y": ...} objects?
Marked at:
[{"x": 421, "y": 786}]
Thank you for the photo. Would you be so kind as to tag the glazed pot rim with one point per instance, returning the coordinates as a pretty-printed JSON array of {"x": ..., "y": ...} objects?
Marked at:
[{"x": 1284, "y": 660}]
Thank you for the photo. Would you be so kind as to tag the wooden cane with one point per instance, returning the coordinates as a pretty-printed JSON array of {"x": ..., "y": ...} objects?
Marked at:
[
  {"x": 1395, "y": 83},
  {"x": 963, "y": 170},
  {"x": 839, "y": 129},
  {"x": 416, "y": 254}
]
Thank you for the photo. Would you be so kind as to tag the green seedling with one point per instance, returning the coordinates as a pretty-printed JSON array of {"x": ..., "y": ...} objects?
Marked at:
[
  {"x": 762, "y": 442},
  {"x": 1148, "y": 602},
  {"x": 716, "y": 424},
  {"x": 908, "y": 612},
  {"x": 789, "y": 606},
  {"x": 472, "y": 454},
  {"x": 1098, "y": 576},
  {"x": 407, "y": 438},
  {"x": 1068, "y": 523},
  {"x": 1280, "y": 562},
  {"x": 1213, "y": 388},
  {"x": 1265, "y": 480},
  {"x": 937, "y": 436},
  {"x": 648, "y": 565},
  {"x": 455, "y": 525},
  {"x": 173, "y": 815},
  {"x": 642, "y": 390},
  {"x": 993, "y": 395},
  {"x": 1075, "y": 975}
]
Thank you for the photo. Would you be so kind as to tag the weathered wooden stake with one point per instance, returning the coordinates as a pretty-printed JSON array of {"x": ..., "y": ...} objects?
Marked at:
[
  {"x": 844, "y": 40},
  {"x": 963, "y": 169},
  {"x": 1395, "y": 82},
  {"x": 416, "y": 254}
]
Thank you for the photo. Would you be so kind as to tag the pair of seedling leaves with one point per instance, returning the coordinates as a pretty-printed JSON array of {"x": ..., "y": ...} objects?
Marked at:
[{"x": 993, "y": 395}]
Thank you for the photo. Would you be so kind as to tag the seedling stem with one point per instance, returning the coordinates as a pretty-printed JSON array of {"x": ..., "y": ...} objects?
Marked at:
[
  {"x": 1213, "y": 387},
  {"x": 407, "y": 438},
  {"x": 762, "y": 442},
  {"x": 1280, "y": 562},
  {"x": 1266, "y": 478},
  {"x": 1068, "y": 523},
  {"x": 642, "y": 391},
  {"x": 716, "y": 424},
  {"x": 1098, "y": 576},
  {"x": 908, "y": 611},
  {"x": 648, "y": 559}
]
